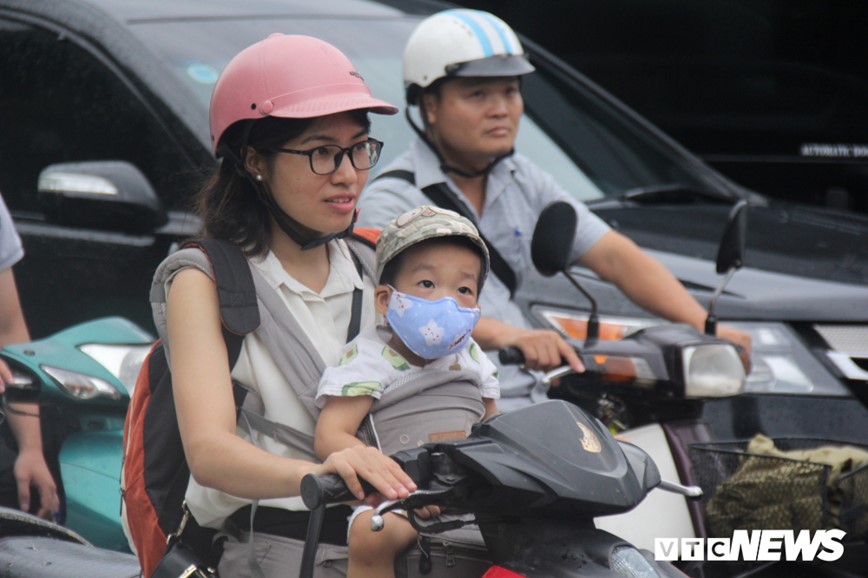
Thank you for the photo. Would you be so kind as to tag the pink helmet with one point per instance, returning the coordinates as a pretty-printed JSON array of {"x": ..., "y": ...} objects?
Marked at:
[{"x": 288, "y": 76}]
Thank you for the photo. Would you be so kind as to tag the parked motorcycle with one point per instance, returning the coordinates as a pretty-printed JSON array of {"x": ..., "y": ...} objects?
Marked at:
[
  {"x": 34, "y": 548},
  {"x": 82, "y": 378}
]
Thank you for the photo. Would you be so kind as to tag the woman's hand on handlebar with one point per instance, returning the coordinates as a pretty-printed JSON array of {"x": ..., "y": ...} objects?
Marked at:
[{"x": 368, "y": 463}]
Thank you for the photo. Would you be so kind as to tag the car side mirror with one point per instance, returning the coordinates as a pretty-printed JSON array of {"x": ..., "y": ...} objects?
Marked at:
[{"x": 111, "y": 195}]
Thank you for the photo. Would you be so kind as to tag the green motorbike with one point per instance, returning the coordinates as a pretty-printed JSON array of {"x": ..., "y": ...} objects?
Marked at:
[{"x": 82, "y": 379}]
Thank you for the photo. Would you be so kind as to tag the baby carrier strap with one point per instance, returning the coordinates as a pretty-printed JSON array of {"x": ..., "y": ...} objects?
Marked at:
[
  {"x": 286, "y": 342},
  {"x": 289, "y": 346},
  {"x": 435, "y": 405}
]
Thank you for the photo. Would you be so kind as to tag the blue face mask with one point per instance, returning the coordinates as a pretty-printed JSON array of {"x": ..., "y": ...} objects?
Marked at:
[{"x": 430, "y": 329}]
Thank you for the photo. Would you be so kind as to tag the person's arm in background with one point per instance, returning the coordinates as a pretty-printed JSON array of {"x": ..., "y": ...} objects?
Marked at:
[
  {"x": 31, "y": 470},
  {"x": 649, "y": 284}
]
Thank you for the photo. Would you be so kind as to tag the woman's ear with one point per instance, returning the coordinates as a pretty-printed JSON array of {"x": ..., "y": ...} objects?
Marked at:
[
  {"x": 254, "y": 163},
  {"x": 382, "y": 294}
]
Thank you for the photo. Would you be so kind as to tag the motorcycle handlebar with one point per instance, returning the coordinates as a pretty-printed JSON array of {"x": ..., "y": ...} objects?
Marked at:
[
  {"x": 326, "y": 489},
  {"x": 511, "y": 356}
]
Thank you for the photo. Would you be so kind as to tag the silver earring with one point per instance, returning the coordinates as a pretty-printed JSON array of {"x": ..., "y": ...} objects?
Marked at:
[{"x": 259, "y": 178}]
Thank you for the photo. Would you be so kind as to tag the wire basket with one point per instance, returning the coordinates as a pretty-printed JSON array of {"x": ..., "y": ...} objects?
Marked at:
[{"x": 753, "y": 491}]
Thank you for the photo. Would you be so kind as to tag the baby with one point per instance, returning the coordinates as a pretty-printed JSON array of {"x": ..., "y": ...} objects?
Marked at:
[{"x": 431, "y": 265}]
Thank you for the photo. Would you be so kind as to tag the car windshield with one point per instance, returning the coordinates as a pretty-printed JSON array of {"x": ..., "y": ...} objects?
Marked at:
[{"x": 591, "y": 150}]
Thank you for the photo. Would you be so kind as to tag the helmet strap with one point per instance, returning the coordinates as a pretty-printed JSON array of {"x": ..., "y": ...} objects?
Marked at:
[
  {"x": 446, "y": 167},
  {"x": 292, "y": 227}
]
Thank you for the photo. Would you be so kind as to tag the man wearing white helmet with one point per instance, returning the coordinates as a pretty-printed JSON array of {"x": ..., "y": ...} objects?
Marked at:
[{"x": 462, "y": 69}]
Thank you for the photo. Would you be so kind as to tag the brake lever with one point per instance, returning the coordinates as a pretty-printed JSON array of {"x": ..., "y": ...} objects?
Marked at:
[
  {"x": 424, "y": 496},
  {"x": 557, "y": 373}
]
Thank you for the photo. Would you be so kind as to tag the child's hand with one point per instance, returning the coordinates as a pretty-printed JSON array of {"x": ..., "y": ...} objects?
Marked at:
[{"x": 426, "y": 512}]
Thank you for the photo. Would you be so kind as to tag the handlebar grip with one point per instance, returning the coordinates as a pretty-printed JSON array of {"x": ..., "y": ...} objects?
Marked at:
[
  {"x": 328, "y": 489},
  {"x": 511, "y": 356}
]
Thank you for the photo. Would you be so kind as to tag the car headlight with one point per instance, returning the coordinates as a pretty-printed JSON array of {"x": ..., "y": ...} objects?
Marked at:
[{"x": 782, "y": 364}]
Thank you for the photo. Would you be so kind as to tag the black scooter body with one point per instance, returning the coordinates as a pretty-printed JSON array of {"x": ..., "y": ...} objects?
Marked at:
[
  {"x": 534, "y": 480},
  {"x": 554, "y": 460}
]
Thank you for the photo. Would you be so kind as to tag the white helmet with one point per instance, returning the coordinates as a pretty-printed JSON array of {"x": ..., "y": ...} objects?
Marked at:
[{"x": 461, "y": 42}]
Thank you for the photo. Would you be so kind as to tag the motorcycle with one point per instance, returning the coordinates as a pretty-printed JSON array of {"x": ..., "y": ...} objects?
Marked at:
[
  {"x": 551, "y": 468},
  {"x": 533, "y": 479},
  {"x": 544, "y": 482},
  {"x": 81, "y": 378},
  {"x": 594, "y": 475},
  {"x": 652, "y": 387},
  {"x": 536, "y": 479},
  {"x": 34, "y": 548}
]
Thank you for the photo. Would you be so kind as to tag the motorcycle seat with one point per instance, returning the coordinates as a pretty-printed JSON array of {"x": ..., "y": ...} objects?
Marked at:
[{"x": 44, "y": 557}]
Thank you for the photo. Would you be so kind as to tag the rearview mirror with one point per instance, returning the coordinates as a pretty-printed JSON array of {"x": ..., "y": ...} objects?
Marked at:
[
  {"x": 730, "y": 257},
  {"x": 730, "y": 254},
  {"x": 553, "y": 238},
  {"x": 551, "y": 248},
  {"x": 111, "y": 195}
]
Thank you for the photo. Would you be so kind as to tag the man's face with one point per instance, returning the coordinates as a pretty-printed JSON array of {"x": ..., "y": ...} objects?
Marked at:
[{"x": 474, "y": 119}]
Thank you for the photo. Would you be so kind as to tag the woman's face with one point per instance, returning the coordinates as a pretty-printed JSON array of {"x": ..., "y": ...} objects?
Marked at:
[{"x": 320, "y": 203}]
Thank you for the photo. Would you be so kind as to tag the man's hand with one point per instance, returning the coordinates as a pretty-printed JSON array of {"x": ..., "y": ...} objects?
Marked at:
[
  {"x": 32, "y": 471},
  {"x": 543, "y": 349},
  {"x": 742, "y": 341}
]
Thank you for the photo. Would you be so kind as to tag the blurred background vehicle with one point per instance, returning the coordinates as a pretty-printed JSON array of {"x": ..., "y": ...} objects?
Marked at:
[
  {"x": 105, "y": 136},
  {"x": 772, "y": 94},
  {"x": 82, "y": 378}
]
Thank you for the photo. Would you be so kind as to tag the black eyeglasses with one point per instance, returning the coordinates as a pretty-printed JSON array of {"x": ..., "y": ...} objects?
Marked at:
[{"x": 325, "y": 159}]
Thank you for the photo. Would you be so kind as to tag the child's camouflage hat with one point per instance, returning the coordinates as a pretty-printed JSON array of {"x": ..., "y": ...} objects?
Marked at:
[{"x": 423, "y": 223}]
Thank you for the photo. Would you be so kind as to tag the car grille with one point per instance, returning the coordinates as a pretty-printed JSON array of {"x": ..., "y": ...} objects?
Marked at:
[{"x": 848, "y": 348}]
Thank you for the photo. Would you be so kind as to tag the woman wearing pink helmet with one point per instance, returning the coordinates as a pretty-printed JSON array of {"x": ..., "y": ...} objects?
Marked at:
[{"x": 289, "y": 117}]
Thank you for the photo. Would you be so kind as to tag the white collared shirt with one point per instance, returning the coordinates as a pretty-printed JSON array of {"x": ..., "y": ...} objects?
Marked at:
[{"x": 325, "y": 318}]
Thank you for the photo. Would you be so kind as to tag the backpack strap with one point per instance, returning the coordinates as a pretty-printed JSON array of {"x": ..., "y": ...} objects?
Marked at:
[
  {"x": 236, "y": 292},
  {"x": 362, "y": 244},
  {"x": 240, "y": 286},
  {"x": 442, "y": 196}
]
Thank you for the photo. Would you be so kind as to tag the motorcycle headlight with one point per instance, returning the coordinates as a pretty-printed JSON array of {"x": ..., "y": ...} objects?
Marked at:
[
  {"x": 628, "y": 561},
  {"x": 80, "y": 385},
  {"x": 712, "y": 370},
  {"x": 575, "y": 326},
  {"x": 122, "y": 361},
  {"x": 780, "y": 362}
]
